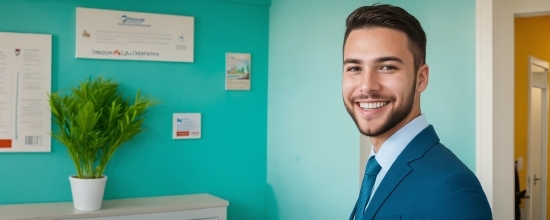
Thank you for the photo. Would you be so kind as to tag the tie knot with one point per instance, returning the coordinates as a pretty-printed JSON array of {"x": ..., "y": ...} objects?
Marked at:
[{"x": 373, "y": 168}]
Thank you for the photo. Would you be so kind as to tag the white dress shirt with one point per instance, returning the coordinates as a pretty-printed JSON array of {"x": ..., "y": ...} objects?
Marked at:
[{"x": 394, "y": 145}]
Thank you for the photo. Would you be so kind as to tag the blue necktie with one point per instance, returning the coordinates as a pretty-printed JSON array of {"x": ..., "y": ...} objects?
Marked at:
[{"x": 373, "y": 168}]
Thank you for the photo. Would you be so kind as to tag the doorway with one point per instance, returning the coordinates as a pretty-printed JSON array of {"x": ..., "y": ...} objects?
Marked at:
[{"x": 537, "y": 165}]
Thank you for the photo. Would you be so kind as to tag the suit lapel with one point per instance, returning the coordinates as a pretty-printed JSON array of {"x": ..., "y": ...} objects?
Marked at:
[
  {"x": 353, "y": 212},
  {"x": 418, "y": 146},
  {"x": 386, "y": 187}
]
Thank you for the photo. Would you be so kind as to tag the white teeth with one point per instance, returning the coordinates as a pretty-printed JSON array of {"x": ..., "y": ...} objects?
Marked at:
[{"x": 372, "y": 105}]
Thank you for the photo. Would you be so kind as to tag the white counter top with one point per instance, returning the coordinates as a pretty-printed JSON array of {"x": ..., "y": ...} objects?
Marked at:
[{"x": 63, "y": 210}]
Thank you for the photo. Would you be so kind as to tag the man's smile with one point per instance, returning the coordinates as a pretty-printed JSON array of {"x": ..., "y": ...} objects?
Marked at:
[{"x": 372, "y": 105}]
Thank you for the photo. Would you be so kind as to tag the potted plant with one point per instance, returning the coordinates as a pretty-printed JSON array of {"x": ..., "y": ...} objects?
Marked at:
[{"x": 94, "y": 120}]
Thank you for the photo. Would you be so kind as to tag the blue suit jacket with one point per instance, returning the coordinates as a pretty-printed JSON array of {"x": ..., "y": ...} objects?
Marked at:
[{"x": 427, "y": 181}]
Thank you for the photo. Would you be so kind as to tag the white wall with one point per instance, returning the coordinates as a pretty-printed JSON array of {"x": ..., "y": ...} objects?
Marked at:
[
  {"x": 531, "y": 7},
  {"x": 495, "y": 103}
]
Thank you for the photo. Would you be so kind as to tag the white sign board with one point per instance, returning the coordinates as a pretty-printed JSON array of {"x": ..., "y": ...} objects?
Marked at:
[
  {"x": 25, "y": 81},
  {"x": 122, "y": 35},
  {"x": 186, "y": 126}
]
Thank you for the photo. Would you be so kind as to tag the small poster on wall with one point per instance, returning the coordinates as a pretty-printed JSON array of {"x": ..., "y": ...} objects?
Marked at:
[{"x": 237, "y": 71}]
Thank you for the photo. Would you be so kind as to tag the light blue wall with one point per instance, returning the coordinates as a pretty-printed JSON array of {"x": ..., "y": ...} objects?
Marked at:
[
  {"x": 230, "y": 159},
  {"x": 449, "y": 102},
  {"x": 313, "y": 145}
]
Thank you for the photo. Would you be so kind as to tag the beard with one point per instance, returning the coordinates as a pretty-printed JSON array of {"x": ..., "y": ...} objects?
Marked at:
[{"x": 396, "y": 115}]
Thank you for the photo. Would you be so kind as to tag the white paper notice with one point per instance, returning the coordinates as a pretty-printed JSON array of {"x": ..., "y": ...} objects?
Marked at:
[
  {"x": 122, "y": 35},
  {"x": 186, "y": 126},
  {"x": 25, "y": 81}
]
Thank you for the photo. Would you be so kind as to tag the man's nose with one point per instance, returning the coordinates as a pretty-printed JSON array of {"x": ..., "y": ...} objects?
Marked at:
[{"x": 370, "y": 82}]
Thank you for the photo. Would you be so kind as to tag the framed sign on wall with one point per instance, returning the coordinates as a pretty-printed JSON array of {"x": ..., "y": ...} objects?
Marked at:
[{"x": 123, "y": 35}]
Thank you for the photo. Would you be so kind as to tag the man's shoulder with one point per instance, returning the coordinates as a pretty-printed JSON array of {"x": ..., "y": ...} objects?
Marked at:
[
  {"x": 439, "y": 158},
  {"x": 443, "y": 182},
  {"x": 426, "y": 148}
]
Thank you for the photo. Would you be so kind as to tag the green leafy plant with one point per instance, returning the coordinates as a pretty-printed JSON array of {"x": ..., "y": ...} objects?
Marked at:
[{"x": 94, "y": 121}]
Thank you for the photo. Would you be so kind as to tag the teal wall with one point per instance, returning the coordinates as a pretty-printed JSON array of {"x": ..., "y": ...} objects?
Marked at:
[
  {"x": 313, "y": 145},
  {"x": 230, "y": 159},
  {"x": 311, "y": 161}
]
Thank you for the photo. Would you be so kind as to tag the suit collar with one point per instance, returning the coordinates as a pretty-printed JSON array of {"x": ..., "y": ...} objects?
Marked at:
[
  {"x": 400, "y": 168},
  {"x": 396, "y": 143}
]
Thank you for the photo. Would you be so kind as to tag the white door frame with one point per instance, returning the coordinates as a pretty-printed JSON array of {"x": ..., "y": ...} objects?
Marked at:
[
  {"x": 495, "y": 103},
  {"x": 544, "y": 159}
]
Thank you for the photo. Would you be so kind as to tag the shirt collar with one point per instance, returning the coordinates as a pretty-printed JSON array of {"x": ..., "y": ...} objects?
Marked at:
[{"x": 395, "y": 144}]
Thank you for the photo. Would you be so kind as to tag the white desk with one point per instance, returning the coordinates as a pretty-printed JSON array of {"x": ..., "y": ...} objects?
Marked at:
[{"x": 182, "y": 207}]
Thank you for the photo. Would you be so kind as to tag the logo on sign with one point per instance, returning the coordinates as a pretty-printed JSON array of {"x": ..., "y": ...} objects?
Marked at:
[
  {"x": 17, "y": 51},
  {"x": 127, "y": 20}
]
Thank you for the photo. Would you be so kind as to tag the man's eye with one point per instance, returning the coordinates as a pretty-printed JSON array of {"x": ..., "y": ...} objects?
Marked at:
[
  {"x": 353, "y": 69},
  {"x": 388, "y": 68}
]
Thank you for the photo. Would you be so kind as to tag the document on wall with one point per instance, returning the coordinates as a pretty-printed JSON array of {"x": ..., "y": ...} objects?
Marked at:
[
  {"x": 186, "y": 126},
  {"x": 25, "y": 81},
  {"x": 123, "y": 35}
]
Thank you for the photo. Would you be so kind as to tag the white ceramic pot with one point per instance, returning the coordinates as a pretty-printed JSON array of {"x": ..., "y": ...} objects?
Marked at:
[{"x": 87, "y": 193}]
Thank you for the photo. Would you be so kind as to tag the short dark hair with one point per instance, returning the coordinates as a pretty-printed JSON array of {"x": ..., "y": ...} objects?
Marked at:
[{"x": 393, "y": 17}]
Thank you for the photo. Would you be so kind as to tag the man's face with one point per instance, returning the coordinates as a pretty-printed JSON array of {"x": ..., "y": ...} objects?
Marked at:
[{"x": 379, "y": 81}]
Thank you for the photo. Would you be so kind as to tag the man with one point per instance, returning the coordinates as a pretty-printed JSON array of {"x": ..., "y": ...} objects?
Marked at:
[{"x": 410, "y": 175}]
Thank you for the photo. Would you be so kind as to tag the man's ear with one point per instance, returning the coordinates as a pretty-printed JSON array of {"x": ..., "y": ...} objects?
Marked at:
[{"x": 422, "y": 76}]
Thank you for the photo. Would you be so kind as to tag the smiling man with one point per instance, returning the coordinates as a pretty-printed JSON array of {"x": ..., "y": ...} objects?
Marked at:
[{"x": 410, "y": 174}]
